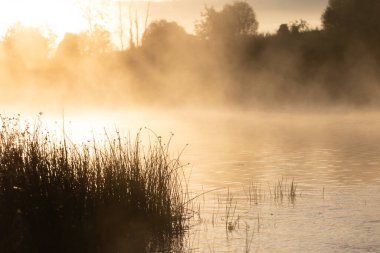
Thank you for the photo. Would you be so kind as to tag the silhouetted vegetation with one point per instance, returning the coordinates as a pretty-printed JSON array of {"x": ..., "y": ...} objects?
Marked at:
[
  {"x": 353, "y": 21},
  {"x": 61, "y": 197},
  {"x": 232, "y": 22},
  {"x": 226, "y": 61},
  {"x": 17, "y": 44}
]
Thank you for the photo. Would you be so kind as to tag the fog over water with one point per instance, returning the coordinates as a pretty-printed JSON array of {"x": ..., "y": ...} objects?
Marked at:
[
  {"x": 332, "y": 156},
  {"x": 279, "y": 133}
]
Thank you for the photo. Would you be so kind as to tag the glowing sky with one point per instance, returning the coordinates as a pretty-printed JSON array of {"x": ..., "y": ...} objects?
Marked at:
[
  {"x": 67, "y": 15},
  {"x": 59, "y": 15}
]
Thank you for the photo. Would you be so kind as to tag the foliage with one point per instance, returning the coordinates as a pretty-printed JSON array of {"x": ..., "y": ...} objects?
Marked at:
[
  {"x": 70, "y": 47},
  {"x": 87, "y": 43},
  {"x": 283, "y": 30},
  {"x": 27, "y": 45},
  {"x": 234, "y": 20},
  {"x": 163, "y": 35},
  {"x": 61, "y": 197},
  {"x": 353, "y": 19},
  {"x": 96, "y": 41},
  {"x": 299, "y": 26},
  {"x": 227, "y": 58}
]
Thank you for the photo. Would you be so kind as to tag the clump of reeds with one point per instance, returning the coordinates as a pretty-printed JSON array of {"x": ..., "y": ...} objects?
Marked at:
[
  {"x": 282, "y": 189},
  {"x": 56, "y": 196},
  {"x": 230, "y": 220},
  {"x": 255, "y": 193}
]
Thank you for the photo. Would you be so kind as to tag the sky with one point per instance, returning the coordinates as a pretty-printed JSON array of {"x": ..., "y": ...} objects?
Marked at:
[
  {"x": 67, "y": 15},
  {"x": 58, "y": 15}
]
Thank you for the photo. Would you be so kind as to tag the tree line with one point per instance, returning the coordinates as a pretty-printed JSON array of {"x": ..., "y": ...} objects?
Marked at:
[{"x": 226, "y": 60}]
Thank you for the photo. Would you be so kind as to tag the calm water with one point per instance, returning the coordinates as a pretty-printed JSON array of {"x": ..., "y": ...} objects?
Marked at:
[{"x": 334, "y": 158}]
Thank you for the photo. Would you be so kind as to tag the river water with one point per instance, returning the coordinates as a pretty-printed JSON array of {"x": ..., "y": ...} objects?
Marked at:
[{"x": 244, "y": 161}]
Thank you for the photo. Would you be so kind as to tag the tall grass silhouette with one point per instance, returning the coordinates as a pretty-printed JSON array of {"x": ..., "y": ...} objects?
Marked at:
[{"x": 56, "y": 196}]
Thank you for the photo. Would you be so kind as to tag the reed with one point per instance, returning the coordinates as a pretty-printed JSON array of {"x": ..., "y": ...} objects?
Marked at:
[
  {"x": 230, "y": 219},
  {"x": 255, "y": 194},
  {"x": 56, "y": 196},
  {"x": 283, "y": 189}
]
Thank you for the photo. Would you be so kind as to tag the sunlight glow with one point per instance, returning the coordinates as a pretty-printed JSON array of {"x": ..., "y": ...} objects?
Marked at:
[{"x": 57, "y": 15}]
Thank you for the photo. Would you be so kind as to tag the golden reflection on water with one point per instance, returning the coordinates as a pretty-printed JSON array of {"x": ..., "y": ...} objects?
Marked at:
[
  {"x": 334, "y": 158},
  {"x": 233, "y": 147}
]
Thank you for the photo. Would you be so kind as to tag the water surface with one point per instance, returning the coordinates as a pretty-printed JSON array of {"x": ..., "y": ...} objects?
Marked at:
[{"x": 333, "y": 157}]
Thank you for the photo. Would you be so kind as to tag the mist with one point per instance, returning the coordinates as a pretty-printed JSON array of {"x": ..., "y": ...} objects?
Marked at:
[
  {"x": 226, "y": 63},
  {"x": 138, "y": 134}
]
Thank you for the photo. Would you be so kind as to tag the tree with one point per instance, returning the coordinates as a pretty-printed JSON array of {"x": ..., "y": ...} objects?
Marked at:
[
  {"x": 96, "y": 39},
  {"x": 69, "y": 48},
  {"x": 96, "y": 42},
  {"x": 233, "y": 21},
  {"x": 27, "y": 46},
  {"x": 299, "y": 26},
  {"x": 86, "y": 43},
  {"x": 283, "y": 30},
  {"x": 161, "y": 35},
  {"x": 353, "y": 19},
  {"x": 95, "y": 13}
]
